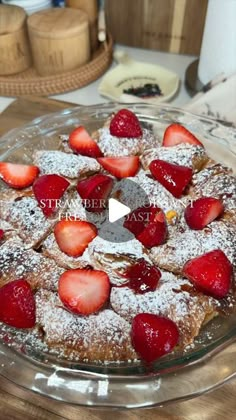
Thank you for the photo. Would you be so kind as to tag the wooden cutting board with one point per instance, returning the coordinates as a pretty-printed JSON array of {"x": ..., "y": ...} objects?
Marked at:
[
  {"x": 26, "y": 108},
  {"x": 18, "y": 404},
  {"x": 165, "y": 25}
]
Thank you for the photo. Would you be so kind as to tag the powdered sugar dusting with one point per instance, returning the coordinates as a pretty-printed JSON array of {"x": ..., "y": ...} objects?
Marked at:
[
  {"x": 183, "y": 154},
  {"x": 103, "y": 336},
  {"x": 18, "y": 262},
  {"x": 65, "y": 164},
  {"x": 51, "y": 249},
  {"x": 156, "y": 194},
  {"x": 120, "y": 146},
  {"x": 182, "y": 247},
  {"x": 173, "y": 298},
  {"x": 28, "y": 219},
  {"x": 115, "y": 257},
  {"x": 219, "y": 185}
]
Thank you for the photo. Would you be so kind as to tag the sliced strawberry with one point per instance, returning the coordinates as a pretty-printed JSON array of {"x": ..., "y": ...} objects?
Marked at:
[
  {"x": 148, "y": 224},
  {"x": 174, "y": 178},
  {"x": 84, "y": 291},
  {"x": 1, "y": 234},
  {"x": 94, "y": 191},
  {"x": 153, "y": 235},
  {"x": 176, "y": 134},
  {"x": 211, "y": 273},
  {"x": 81, "y": 143},
  {"x": 73, "y": 236},
  {"x": 48, "y": 189},
  {"x": 142, "y": 277},
  {"x": 153, "y": 336},
  {"x": 17, "y": 304},
  {"x": 125, "y": 124},
  {"x": 203, "y": 211},
  {"x": 121, "y": 167},
  {"x": 18, "y": 176}
]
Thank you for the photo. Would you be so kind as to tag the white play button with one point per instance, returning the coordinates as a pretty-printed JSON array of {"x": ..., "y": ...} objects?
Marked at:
[{"x": 116, "y": 210}]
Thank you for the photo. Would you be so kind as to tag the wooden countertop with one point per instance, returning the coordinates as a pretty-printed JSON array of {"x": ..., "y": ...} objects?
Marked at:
[{"x": 18, "y": 404}]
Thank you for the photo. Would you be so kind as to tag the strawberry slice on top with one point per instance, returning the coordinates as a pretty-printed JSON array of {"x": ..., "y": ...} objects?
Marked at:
[
  {"x": 148, "y": 224},
  {"x": 125, "y": 124},
  {"x": 2, "y": 233},
  {"x": 81, "y": 143},
  {"x": 18, "y": 176},
  {"x": 94, "y": 192},
  {"x": 120, "y": 167},
  {"x": 176, "y": 134},
  {"x": 47, "y": 190},
  {"x": 17, "y": 304},
  {"x": 84, "y": 291},
  {"x": 211, "y": 273},
  {"x": 203, "y": 211},
  {"x": 153, "y": 336},
  {"x": 174, "y": 178},
  {"x": 73, "y": 236}
]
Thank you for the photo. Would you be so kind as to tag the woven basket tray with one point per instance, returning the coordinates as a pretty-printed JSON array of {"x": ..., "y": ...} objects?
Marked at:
[{"x": 30, "y": 83}]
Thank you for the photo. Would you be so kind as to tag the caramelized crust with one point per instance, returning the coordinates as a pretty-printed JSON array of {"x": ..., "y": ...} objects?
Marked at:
[
  {"x": 174, "y": 298},
  {"x": 185, "y": 245},
  {"x": 216, "y": 181},
  {"x": 105, "y": 336},
  {"x": 94, "y": 338},
  {"x": 67, "y": 165},
  {"x": 194, "y": 157},
  {"x": 16, "y": 261}
]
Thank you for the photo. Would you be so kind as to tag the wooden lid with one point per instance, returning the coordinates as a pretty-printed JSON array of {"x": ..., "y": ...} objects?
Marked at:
[
  {"x": 58, "y": 22},
  {"x": 12, "y": 18}
]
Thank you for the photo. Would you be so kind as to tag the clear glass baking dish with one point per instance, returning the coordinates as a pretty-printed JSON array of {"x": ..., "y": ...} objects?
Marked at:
[{"x": 180, "y": 375}]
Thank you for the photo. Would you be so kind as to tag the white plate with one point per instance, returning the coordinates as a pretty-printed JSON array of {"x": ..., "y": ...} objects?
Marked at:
[{"x": 132, "y": 74}]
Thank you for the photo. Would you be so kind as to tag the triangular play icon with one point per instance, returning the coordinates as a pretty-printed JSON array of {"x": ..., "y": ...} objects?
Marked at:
[{"x": 116, "y": 210}]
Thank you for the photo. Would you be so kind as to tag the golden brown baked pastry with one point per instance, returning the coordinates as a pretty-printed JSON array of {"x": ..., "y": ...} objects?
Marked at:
[
  {"x": 18, "y": 261},
  {"x": 31, "y": 250},
  {"x": 99, "y": 337}
]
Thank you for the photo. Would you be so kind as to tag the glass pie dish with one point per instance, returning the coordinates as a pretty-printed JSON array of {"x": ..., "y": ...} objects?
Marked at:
[{"x": 179, "y": 375}]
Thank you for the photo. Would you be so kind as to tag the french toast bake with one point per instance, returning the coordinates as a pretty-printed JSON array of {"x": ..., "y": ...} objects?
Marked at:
[{"x": 126, "y": 298}]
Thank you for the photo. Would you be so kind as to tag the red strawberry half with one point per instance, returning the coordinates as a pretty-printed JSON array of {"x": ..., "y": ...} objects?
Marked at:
[
  {"x": 203, "y": 211},
  {"x": 73, "y": 236},
  {"x": 1, "y": 234},
  {"x": 18, "y": 176},
  {"x": 211, "y": 273},
  {"x": 176, "y": 134},
  {"x": 125, "y": 124},
  {"x": 84, "y": 291},
  {"x": 142, "y": 277},
  {"x": 94, "y": 191},
  {"x": 153, "y": 336},
  {"x": 81, "y": 143},
  {"x": 174, "y": 178},
  {"x": 47, "y": 190},
  {"x": 121, "y": 167},
  {"x": 17, "y": 304},
  {"x": 148, "y": 224}
]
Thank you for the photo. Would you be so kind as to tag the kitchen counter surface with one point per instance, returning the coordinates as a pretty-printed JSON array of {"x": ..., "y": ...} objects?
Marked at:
[{"x": 89, "y": 94}]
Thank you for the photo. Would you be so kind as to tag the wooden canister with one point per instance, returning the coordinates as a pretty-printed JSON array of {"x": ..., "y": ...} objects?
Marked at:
[
  {"x": 91, "y": 8},
  {"x": 15, "y": 55},
  {"x": 59, "y": 40}
]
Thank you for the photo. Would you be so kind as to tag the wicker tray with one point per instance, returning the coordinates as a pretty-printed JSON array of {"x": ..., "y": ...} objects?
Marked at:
[{"x": 30, "y": 83}]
